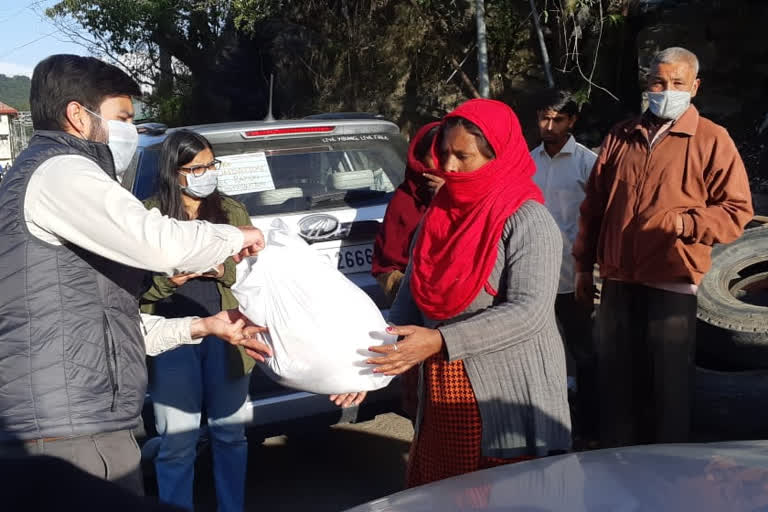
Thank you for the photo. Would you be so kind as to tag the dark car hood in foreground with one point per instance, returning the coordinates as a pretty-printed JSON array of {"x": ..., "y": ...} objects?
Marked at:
[{"x": 687, "y": 477}]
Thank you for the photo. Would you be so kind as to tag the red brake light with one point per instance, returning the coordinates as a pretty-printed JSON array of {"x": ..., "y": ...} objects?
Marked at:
[{"x": 289, "y": 131}]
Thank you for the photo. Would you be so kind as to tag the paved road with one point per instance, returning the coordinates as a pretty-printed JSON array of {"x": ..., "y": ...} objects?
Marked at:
[{"x": 329, "y": 472}]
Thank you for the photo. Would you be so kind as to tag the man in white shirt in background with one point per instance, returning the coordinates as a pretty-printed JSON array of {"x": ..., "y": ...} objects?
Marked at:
[
  {"x": 75, "y": 248},
  {"x": 562, "y": 170}
]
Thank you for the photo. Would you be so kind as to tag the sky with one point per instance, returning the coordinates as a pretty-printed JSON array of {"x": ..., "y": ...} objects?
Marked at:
[{"x": 26, "y": 37}]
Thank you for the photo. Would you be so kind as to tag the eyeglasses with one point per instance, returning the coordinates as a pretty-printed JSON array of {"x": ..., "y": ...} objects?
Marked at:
[{"x": 199, "y": 170}]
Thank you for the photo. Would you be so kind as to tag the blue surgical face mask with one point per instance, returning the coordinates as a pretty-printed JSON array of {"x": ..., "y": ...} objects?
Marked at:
[{"x": 669, "y": 105}]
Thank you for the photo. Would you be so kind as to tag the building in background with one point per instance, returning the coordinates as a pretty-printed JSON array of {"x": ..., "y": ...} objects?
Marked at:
[{"x": 7, "y": 115}]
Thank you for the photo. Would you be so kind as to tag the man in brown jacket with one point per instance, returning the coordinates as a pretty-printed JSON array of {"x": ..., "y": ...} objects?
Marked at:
[{"x": 665, "y": 188}]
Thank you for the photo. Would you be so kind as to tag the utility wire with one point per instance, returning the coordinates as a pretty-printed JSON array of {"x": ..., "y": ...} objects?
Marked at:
[{"x": 49, "y": 34}]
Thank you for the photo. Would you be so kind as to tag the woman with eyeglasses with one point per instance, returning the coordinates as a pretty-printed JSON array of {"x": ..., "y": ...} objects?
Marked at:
[{"x": 213, "y": 375}]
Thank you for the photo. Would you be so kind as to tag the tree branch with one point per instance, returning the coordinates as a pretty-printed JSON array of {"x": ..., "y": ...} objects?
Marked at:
[
  {"x": 542, "y": 45},
  {"x": 175, "y": 45},
  {"x": 597, "y": 46},
  {"x": 581, "y": 72},
  {"x": 98, "y": 45},
  {"x": 464, "y": 78}
]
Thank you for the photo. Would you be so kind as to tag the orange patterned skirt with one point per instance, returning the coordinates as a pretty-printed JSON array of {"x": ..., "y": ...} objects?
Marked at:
[{"x": 449, "y": 441}]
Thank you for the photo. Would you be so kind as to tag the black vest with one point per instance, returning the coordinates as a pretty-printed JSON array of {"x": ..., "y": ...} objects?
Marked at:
[{"x": 72, "y": 356}]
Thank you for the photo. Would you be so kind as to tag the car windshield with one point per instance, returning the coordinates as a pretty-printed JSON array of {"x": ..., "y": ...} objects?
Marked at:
[{"x": 293, "y": 175}]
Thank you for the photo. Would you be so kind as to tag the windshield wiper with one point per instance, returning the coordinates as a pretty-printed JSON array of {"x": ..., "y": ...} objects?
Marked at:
[{"x": 347, "y": 195}]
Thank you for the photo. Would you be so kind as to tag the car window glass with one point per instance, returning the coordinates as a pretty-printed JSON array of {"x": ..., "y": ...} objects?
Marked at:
[
  {"x": 322, "y": 176},
  {"x": 307, "y": 174}
]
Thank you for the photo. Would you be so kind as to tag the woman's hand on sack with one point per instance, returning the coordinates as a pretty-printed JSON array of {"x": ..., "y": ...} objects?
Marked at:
[
  {"x": 180, "y": 279},
  {"x": 235, "y": 328},
  {"x": 349, "y": 399},
  {"x": 253, "y": 243},
  {"x": 418, "y": 344}
]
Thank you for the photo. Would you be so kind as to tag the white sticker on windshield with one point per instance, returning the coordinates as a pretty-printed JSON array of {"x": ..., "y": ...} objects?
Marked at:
[{"x": 244, "y": 174}]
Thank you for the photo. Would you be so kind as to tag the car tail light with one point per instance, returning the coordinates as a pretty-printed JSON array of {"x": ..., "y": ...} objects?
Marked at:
[{"x": 288, "y": 131}]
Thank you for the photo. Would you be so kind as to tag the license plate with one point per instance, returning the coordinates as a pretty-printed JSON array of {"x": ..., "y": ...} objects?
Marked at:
[{"x": 351, "y": 259}]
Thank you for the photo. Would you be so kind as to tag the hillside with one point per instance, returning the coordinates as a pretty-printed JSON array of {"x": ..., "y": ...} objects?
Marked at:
[{"x": 14, "y": 91}]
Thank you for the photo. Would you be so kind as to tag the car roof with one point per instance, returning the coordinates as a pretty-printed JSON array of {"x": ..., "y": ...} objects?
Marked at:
[
  {"x": 222, "y": 133},
  {"x": 701, "y": 477},
  {"x": 345, "y": 115}
]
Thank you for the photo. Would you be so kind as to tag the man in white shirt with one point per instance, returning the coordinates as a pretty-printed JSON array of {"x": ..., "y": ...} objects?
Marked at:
[
  {"x": 74, "y": 250},
  {"x": 562, "y": 170}
]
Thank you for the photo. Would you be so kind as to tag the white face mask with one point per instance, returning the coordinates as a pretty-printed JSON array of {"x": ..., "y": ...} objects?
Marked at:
[
  {"x": 668, "y": 105},
  {"x": 122, "y": 140},
  {"x": 201, "y": 186}
]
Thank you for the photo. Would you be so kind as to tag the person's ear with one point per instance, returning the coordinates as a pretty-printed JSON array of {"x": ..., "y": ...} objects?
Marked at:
[
  {"x": 695, "y": 89},
  {"x": 78, "y": 120}
]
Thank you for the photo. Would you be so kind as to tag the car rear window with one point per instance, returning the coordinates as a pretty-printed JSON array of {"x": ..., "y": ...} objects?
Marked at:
[{"x": 293, "y": 175}]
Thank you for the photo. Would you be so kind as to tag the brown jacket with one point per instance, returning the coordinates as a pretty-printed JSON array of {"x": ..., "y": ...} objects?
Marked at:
[{"x": 635, "y": 194}]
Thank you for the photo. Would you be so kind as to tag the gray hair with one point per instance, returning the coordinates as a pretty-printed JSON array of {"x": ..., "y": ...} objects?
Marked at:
[{"x": 676, "y": 54}]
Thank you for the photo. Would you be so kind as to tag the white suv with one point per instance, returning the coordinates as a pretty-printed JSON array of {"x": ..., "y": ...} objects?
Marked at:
[{"x": 329, "y": 178}]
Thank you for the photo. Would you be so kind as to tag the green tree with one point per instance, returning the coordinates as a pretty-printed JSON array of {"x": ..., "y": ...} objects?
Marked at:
[
  {"x": 207, "y": 60},
  {"x": 210, "y": 60},
  {"x": 14, "y": 91},
  {"x": 179, "y": 47},
  {"x": 412, "y": 60}
]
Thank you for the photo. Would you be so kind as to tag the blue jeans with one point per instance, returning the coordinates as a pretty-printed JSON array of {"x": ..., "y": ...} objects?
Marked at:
[{"x": 182, "y": 381}]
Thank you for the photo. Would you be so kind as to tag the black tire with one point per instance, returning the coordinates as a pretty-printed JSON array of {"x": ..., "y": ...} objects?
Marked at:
[
  {"x": 732, "y": 332},
  {"x": 730, "y": 405}
]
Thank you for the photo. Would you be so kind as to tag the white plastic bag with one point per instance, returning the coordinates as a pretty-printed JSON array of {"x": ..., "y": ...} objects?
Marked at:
[{"x": 320, "y": 324}]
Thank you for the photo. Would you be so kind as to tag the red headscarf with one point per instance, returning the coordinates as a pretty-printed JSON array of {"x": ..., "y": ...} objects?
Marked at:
[
  {"x": 410, "y": 201},
  {"x": 457, "y": 247}
]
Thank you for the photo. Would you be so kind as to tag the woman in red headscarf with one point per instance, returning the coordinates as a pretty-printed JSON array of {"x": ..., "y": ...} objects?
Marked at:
[
  {"x": 476, "y": 307},
  {"x": 411, "y": 199}
]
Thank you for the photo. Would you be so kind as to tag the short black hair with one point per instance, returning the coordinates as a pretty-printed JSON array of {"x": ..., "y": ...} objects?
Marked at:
[
  {"x": 60, "y": 79},
  {"x": 558, "y": 100}
]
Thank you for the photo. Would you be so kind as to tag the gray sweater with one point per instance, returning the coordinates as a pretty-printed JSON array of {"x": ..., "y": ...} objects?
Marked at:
[{"x": 510, "y": 344}]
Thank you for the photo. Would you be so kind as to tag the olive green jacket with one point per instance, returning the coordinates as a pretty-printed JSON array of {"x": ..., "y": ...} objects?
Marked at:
[{"x": 240, "y": 363}]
